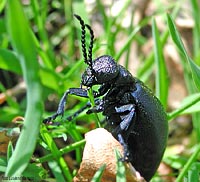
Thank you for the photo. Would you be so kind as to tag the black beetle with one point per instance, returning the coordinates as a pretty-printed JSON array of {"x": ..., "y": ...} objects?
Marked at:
[{"x": 134, "y": 115}]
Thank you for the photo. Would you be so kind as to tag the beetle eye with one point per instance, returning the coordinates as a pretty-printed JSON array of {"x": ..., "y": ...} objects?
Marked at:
[{"x": 88, "y": 79}]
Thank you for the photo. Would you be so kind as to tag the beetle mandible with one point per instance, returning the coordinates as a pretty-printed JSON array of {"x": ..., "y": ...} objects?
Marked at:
[{"x": 135, "y": 117}]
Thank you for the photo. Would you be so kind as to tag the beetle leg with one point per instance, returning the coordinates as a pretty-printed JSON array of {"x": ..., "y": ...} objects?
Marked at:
[
  {"x": 60, "y": 111},
  {"x": 123, "y": 129},
  {"x": 127, "y": 119},
  {"x": 98, "y": 108},
  {"x": 88, "y": 105},
  {"x": 125, "y": 147}
]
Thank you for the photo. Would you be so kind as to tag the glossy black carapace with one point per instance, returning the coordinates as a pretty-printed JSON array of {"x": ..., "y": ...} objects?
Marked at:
[{"x": 134, "y": 115}]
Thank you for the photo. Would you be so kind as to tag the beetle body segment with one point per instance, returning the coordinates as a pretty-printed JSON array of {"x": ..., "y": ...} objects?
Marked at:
[{"x": 149, "y": 137}]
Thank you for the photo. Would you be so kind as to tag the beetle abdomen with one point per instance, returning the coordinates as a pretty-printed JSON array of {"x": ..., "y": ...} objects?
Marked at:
[{"x": 148, "y": 140}]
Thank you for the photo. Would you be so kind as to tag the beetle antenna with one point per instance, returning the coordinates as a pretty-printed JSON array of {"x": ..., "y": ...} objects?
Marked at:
[
  {"x": 83, "y": 38},
  {"x": 91, "y": 45}
]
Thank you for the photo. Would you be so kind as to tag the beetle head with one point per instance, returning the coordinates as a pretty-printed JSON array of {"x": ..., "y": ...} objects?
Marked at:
[{"x": 101, "y": 70}]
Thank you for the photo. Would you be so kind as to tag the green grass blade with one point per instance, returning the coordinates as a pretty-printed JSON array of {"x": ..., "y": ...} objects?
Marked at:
[
  {"x": 39, "y": 9},
  {"x": 195, "y": 69},
  {"x": 22, "y": 42},
  {"x": 144, "y": 72},
  {"x": 194, "y": 100},
  {"x": 121, "y": 11},
  {"x": 162, "y": 76},
  {"x": 196, "y": 29},
  {"x": 103, "y": 14},
  {"x": 189, "y": 105},
  {"x": 70, "y": 38},
  {"x": 80, "y": 9},
  {"x": 65, "y": 150},
  {"x": 9, "y": 61},
  {"x": 9, "y": 151},
  {"x": 193, "y": 173},
  {"x": 55, "y": 152},
  {"x": 98, "y": 174},
  {"x": 49, "y": 78},
  {"x": 121, "y": 171},
  {"x": 2, "y": 5},
  {"x": 56, "y": 171},
  {"x": 127, "y": 43},
  {"x": 130, "y": 38},
  {"x": 186, "y": 167},
  {"x": 190, "y": 70}
]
